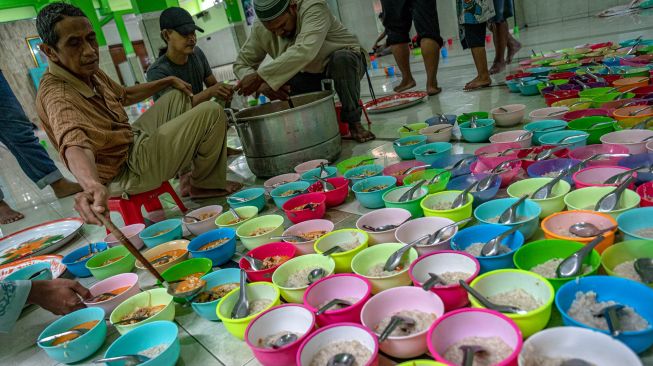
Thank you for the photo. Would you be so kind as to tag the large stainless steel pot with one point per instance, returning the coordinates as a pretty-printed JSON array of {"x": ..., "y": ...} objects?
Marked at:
[{"x": 275, "y": 138}]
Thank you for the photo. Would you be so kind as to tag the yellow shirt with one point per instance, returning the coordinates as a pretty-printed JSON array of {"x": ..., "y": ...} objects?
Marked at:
[{"x": 317, "y": 36}]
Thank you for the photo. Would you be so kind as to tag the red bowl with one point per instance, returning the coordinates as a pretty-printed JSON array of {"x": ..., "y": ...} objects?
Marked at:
[
  {"x": 304, "y": 215},
  {"x": 268, "y": 250},
  {"x": 506, "y": 177},
  {"x": 561, "y": 75},
  {"x": 525, "y": 163},
  {"x": 556, "y": 96},
  {"x": 645, "y": 191},
  {"x": 335, "y": 197},
  {"x": 518, "y": 75},
  {"x": 596, "y": 46},
  {"x": 571, "y": 115},
  {"x": 610, "y": 78},
  {"x": 643, "y": 91}
]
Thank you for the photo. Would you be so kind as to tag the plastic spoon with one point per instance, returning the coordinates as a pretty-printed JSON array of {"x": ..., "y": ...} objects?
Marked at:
[
  {"x": 509, "y": 216},
  {"x": 492, "y": 247},
  {"x": 489, "y": 304},
  {"x": 572, "y": 266},
  {"x": 644, "y": 268},
  {"x": 130, "y": 360},
  {"x": 342, "y": 359},
  {"x": 610, "y": 201},
  {"x": 469, "y": 352},
  {"x": 395, "y": 321},
  {"x": 241, "y": 308},
  {"x": 331, "y": 304},
  {"x": 395, "y": 258}
]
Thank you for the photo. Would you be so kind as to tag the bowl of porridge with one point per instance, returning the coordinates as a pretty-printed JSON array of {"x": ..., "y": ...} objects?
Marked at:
[
  {"x": 439, "y": 205},
  {"x": 308, "y": 165},
  {"x": 283, "y": 193},
  {"x": 261, "y": 296},
  {"x": 450, "y": 160},
  {"x": 206, "y": 215},
  {"x": 437, "y": 133},
  {"x": 544, "y": 256},
  {"x": 408, "y": 301},
  {"x": 73, "y": 348},
  {"x": 162, "y": 232},
  {"x": 310, "y": 175},
  {"x": 557, "y": 226},
  {"x": 490, "y": 155},
  {"x": 227, "y": 219},
  {"x": 369, "y": 192},
  {"x": 578, "y": 301},
  {"x": 637, "y": 223},
  {"x": 555, "y": 202},
  {"x": 153, "y": 305},
  {"x": 461, "y": 182},
  {"x": 451, "y": 266},
  {"x": 586, "y": 199},
  {"x": 538, "y": 125},
  {"x": 260, "y": 230},
  {"x": 357, "y": 174},
  {"x": 131, "y": 232},
  {"x": 308, "y": 206},
  {"x": 619, "y": 259},
  {"x": 111, "y": 262},
  {"x": 292, "y": 277},
  {"x": 218, "y": 245},
  {"x": 352, "y": 242},
  {"x": 415, "y": 229},
  {"x": 594, "y": 176},
  {"x": 369, "y": 264},
  {"x": 253, "y": 197},
  {"x": 544, "y": 114},
  {"x": 507, "y": 138},
  {"x": 336, "y": 196},
  {"x": 166, "y": 255},
  {"x": 157, "y": 340},
  {"x": 190, "y": 271},
  {"x": 282, "y": 179},
  {"x": 399, "y": 170},
  {"x": 354, "y": 161},
  {"x": 432, "y": 152},
  {"x": 272, "y": 255},
  {"x": 377, "y": 218},
  {"x": 553, "y": 138},
  {"x": 310, "y": 230},
  {"x": 638, "y": 160},
  {"x": 404, "y": 146},
  {"x": 489, "y": 329},
  {"x": 75, "y": 261},
  {"x": 507, "y": 176},
  {"x": 218, "y": 284},
  {"x": 263, "y": 331},
  {"x": 528, "y": 214},
  {"x": 630, "y": 139},
  {"x": 391, "y": 199},
  {"x": 326, "y": 342},
  {"x": 111, "y": 292},
  {"x": 550, "y": 168},
  {"x": 350, "y": 287},
  {"x": 428, "y": 174},
  {"x": 589, "y": 150},
  {"x": 414, "y": 128},
  {"x": 472, "y": 239},
  {"x": 553, "y": 346}
]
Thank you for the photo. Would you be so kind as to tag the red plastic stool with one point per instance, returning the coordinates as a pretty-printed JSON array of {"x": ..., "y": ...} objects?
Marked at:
[
  {"x": 129, "y": 206},
  {"x": 344, "y": 126}
]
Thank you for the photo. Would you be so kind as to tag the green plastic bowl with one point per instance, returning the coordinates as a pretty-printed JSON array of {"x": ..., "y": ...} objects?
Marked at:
[
  {"x": 636, "y": 72},
  {"x": 586, "y": 199},
  {"x": 415, "y": 127},
  {"x": 124, "y": 265},
  {"x": 555, "y": 203},
  {"x": 380, "y": 253},
  {"x": 255, "y": 291},
  {"x": 456, "y": 214},
  {"x": 625, "y": 251},
  {"x": 597, "y": 102},
  {"x": 185, "y": 268},
  {"x": 245, "y": 231},
  {"x": 246, "y": 212},
  {"x": 342, "y": 259},
  {"x": 584, "y": 124},
  {"x": 413, "y": 206},
  {"x": 540, "y": 251},
  {"x": 543, "y": 85},
  {"x": 281, "y": 274},
  {"x": 465, "y": 117},
  {"x": 353, "y": 162},
  {"x": 428, "y": 174},
  {"x": 154, "y": 297},
  {"x": 594, "y": 92}
]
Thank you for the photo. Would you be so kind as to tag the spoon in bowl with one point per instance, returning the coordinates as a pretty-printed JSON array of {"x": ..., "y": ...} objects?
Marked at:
[
  {"x": 493, "y": 246},
  {"x": 292, "y": 238},
  {"x": 331, "y": 304},
  {"x": 610, "y": 201},
  {"x": 395, "y": 258},
  {"x": 439, "y": 234},
  {"x": 404, "y": 322},
  {"x": 461, "y": 199},
  {"x": 588, "y": 230},
  {"x": 509, "y": 216},
  {"x": 611, "y": 315},
  {"x": 469, "y": 351},
  {"x": 284, "y": 340},
  {"x": 508, "y": 309},
  {"x": 130, "y": 360},
  {"x": 408, "y": 195},
  {"x": 342, "y": 359},
  {"x": 618, "y": 177},
  {"x": 241, "y": 308},
  {"x": 572, "y": 266},
  {"x": 78, "y": 332},
  {"x": 433, "y": 280},
  {"x": 316, "y": 274},
  {"x": 644, "y": 268},
  {"x": 255, "y": 264},
  {"x": 326, "y": 186},
  {"x": 545, "y": 191},
  {"x": 235, "y": 214},
  {"x": 384, "y": 227}
]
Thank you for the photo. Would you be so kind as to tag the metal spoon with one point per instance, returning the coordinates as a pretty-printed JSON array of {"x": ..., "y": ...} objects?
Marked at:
[
  {"x": 323, "y": 172},
  {"x": 241, "y": 308},
  {"x": 128, "y": 320},
  {"x": 235, "y": 214},
  {"x": 461, "y": 162},
  {"x": 581, "y": 164},
  {"x": 342, "y": 359},
  {"x": 395, "y": 321},
  {"x": 597, "y": 125},
  {"x": 193, "y": 218},
  {"x": 544, "y": 191},
  {"x": 395, "y": 258},
  {"x": 38, "y": 273},
  {"x": 384, "y": 227},
  {"x": 433, "y": 280},
  {"x": 294, "y": 238},
  {"x": 618, "y": 177},
  {"x": 469, "y": 352},
  {"x": 644, "y": 268},
  {"x": 472, "y": 122},
  {"x": 503, "y": 166},
  {"x": 489, "y": 304},
  {"x": 438, "y": 235},
  {"x": 565, "y": 139},
  {"x": 512, "y": 149},
  {"x": 486, "y": 182},
  {"x": 611, "y": 315},
  {"x": 461, "y": 199},
  {"x": 326, "y": 186},
  {"x": 545, "y": 154},
  {"x": 492, "y": 247},
  {"x": 408, "y": 195},
  {"x": 51, "y": 338},
  {"x": 331, "y": 304},
  {"x": 575, "y": 362},
  {"x": 523, "y": 136},
  {"x": 316, "y": 274},
  {"x": 333, "y": 249},
  {"x": 636, "y": 112},
  {"x": 163, "y": 259},
  {"x": 241, "y": 199},
  {"x": 284, "y": 340},
  {"x": 610, "y": 201},
  {"x": 408, "y": 128},
  {"x": 255, "y": 264},
  {"x": 130, "y": 360},
  {"x": 572, "y": 266},
  {"x": 643, "y": 125},
  {"x": 509, "y": 216},
  {"x": 588, "y": 230}
]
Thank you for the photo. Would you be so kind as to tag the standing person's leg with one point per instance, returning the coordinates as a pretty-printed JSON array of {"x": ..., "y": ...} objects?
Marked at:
[
  {"x": 397, "y": 22},
  {"x": 474, "y": 38},
  {"x": 512, "y": 45},
  {"x": 425, "y": 16},
  {"x": 7, "y": 214},
  {"x": 499, "y": 28}
]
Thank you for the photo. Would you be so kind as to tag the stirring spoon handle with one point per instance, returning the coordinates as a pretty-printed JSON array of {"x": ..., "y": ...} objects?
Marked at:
[{"x": 477, "y": 295}]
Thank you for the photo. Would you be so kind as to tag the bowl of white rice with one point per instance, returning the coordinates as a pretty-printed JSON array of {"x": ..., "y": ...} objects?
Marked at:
[
  {"x": 370, "y": 262},
  {"x": 352, "y": 242},
  {"x": 331, "y": 340},
  {"x": 619, "y": 259},
  {"x": 292, "y": 276},
  {"x": 527, "y": 214},
  {"x": 557, "y": 226},
  {"x": 261, "y": 296}
]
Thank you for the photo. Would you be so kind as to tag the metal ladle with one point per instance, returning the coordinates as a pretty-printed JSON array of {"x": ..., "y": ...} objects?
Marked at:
[
  {"x": 588, "y": 230},
  {"x": 644, "y": 268},
  {"x": 509, "y": 216},
  {"x": 395, "y": 321},
  {"x": 492, "y": 247},
  {"x": 572, "y": 266},
  {"x": 241, "y": 308},
  {"x": 395, "y": 258},
  {"x": 130, "y": 360},
  {"x": 331, "y": 304},
  {"x": 489, "y": 304},
  {"x": 342, "y": 359},
  {"x": 610, "y": 201}
]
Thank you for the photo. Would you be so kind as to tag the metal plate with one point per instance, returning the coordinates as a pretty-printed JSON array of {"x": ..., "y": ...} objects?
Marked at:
[
  {"x": 45, "y": 238},
  {"x": 395, "y": 102},
  {"x": 56, "y": 266}
]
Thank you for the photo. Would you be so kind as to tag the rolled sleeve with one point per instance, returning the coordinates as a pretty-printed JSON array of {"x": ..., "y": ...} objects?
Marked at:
[
  {"x": 13, "y": 296},
  {"x": 250, "y": 55}
]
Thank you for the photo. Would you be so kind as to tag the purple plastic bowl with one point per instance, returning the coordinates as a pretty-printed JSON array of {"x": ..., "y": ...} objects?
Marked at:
[{"x": 540, "y": 168}]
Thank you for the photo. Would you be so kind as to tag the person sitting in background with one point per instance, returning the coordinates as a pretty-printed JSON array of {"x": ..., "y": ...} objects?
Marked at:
[
  {"x": 473, "y": 16},
  {"x": 82, "y": 111}
]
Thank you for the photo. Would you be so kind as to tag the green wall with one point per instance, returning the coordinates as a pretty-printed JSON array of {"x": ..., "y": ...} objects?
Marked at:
[{"x": 10, "y": 15}]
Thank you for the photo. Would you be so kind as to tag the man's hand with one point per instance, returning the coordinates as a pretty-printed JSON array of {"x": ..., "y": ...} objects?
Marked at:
[
  {"x": 59, "y": 296},
  {"x": 222, "y": 91},
  {"x": 282, "y": 94},
  {"x": 92, "y": 201},
  {"x": 249, "y": 84},
  {"x": 177, "y": 83}
]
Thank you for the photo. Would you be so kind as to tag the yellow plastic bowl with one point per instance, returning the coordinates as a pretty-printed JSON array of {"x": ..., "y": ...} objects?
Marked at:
[
  {"x": 281, "y": 274},
  {"x": 555, "y": 203},
  {"x": 624, "y": 252},
  {"x": 255, "y": 291},
  {"x": 380, "y": 253},
  {"x": 342, "y": 259},
  {"x": 154, "y": 297},
  {"x": 456, "y": 214}
]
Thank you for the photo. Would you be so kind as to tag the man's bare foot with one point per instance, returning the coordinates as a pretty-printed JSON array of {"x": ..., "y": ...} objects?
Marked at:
[
  {"x": 405, "y": 85},
  {"x": 8, "y": 215},
  {"x": 231, "y": 187},
  {"x": 497, "y": 67},
  {"x": 64, "y": 188},
  {"x": 184, "y": 184},
  {"x": 433, "y": 90},
  {"x": 359, "y": 133},
  {"x": 233, "y": 151},
  {"x": 478, "y": 83},
  {"x": 512, "y": 49}
]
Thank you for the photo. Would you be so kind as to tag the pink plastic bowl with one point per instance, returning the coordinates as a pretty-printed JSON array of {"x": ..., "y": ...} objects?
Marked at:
[
  {"x": 645, "y": 191},
  {"x": 308, "y": 165},
  {"x": 303, "y": 215},
  {"x": 338, "y": 286},
  {"x": 401, "y": 167},
  {"x": 335, "y": 333},
  {"x": 585, "y": 152},
  {"x": 337, "y": 196},
  {"x": 113, "y": 283},
  {"x": 415, "y": 229},
  {"x": 463, "y": 323},
  {"x": 384, "y": 216},
  {"x": 284, "y": 318},
  {"x": 306, "y": 247},
  {"x": 510, "y": 137},
  {"x": 280, "y": 179},
  {"x": 506, "y": 177},
  {"x": 131, "y": 232},
  {"x": 594, "y": 175},
  {"x": 389, "y": 302},
  {"x": 453, "y": 296},
  {"x": 630, "y": 139},
  {"x": 495, "y": 149},
  {"x": 262, "y": 252}
]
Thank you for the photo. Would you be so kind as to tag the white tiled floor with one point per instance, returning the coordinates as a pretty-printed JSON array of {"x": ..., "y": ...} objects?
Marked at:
[{"x": 207, "y": 343}]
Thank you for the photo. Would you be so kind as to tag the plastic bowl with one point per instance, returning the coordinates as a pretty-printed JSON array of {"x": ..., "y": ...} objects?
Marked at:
[
  {"x": 488, "y": 154},
  {"x": 504, "y": 280},
  {"x": 255, "y": 291},
  {"x": 384, "y": 216},
  {"x": 451, "y": 160},
  {"x": 277, "y": 193},
  {"x": 415, "y": 229},
  {"x": 528, "y": 156},
  {"x": 437, "y": 133},
  {"x": 556, "y": 226},
  {"x": 280, "y": 276},
  {"x": 338, "y": 237},
  {"x": 465, "y": 117},
  {"x": 353, "y": 162},
  {"x": 307, "y": 227},
  {"x": 569, "y": 116},
  {"x": 208, "y": 224},
  {"x": 391, "y": 197},
  {"x": 295, "y": 215},
  {"x": 625, "y": 251},
  {"x": 404, "y": 146},
  {"x": 509, "y": 137},
  {"x": 574, "y": 104},
  {"x": 186, "y": 268},
  {"x": 431, "y": 201},
  {"x": 528, "y": 212},
  {"x": 360, "y": 173},
  {"x": 432, "y": 152},
  {"x": 585, "y": 152},
  {"x": 213, "y": 279},
  {"x": 25, "y": 273},
  {"x": 120, "y": 281},
  {"x": 334, "y": 197},
  {"x": 226, "y": 219},
  {"x": 547, "y": 113},
  {"x": 379, "y": 254},
  {"x": 78, "y": 267},
  {"x": 122, "y": 265},
  {"x": 620, "y": 290},
  {"x": 154, "y": 297},
  {"x": 264, "y": 251},
  {"x": 218, "y": 255},
  {"x": 594, "y": 176},
  {"x": 393, "y": 300},
  {"x": 540, "y": 169},
  {"x": 282, "y": 179},
  {"x": 414, "y": 129},
  {"x": 340, "y": 286},
  {"x": 586, "y": 199},
  {"x": 632, "y": 221},
  {"x": 399, "y": 170},
  {"x": 554, "y": 138},
  {"x": 645, "y": 192},
  {"x": 246, "y": 230},
  {"x": 529, "y": 88},
  {"x": 484, "y": 233},
  {"x": 514, "y": 115},
  {"x": 428, "y": 174},
  {"x": 310, "y": 175},
  {"x": 254, "y": 196},
  {"x": 638, "y": 160},
  {"x": 507, "y": 176},
  {"x": 308, "y": 165},
  {"x": 338, "y": 333},
  {"x": 630, "y": 139},
  {"x": 149, "y": 335},
  {"x": 373, "y": 199},
  {"x": 453, "y": 296},
  {"x": 81, "y": 347},
  {"x": 463, "y": 181},
  {"x": 540, "y": 127},
  {"x": 482, "y": 132},
  {"x": 548, "y": 206},
  {"x": 131, "y": 232},
  {"x": 162, "y": 232}
]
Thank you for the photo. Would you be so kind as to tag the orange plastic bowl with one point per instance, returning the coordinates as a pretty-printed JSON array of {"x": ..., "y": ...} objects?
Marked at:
[{"x": 565, "y": 219}]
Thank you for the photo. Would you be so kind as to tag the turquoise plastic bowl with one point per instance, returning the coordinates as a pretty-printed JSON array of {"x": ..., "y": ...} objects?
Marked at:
[
  {"x": 280, "y": 200},
  {"x": 207, "y": 310},
  {"x": 482, "y": 132},
  {"x": 484, "y": 233},
  {"x": 552, "y": 138},
  {"x": 442, "y": 149},
  {"x": 26, "y": 272},
  {"x": 373, "y": 199},
  {"x": 220, "y": 255},
  {"x": 354, "y": 172},
  {"x": 494, "y": 208},
  {"x": 513, "y": 85},
  {"x": 255, "y": 197},
  {"x": 175, "y": 232},
  {"x": 529, "y": 88},
  {"x": 82, "y": 346},
  {"x": 554, "y": 124},
  {"x": 309, "y": 176},
  {"x": 634, "y": 220},
  {"x": 146, "y": 336},
  {"x": 406, "y": 152}
]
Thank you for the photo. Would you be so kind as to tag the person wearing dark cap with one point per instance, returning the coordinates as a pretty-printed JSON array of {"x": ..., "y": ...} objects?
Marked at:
[{"x": 306, "y": 44}]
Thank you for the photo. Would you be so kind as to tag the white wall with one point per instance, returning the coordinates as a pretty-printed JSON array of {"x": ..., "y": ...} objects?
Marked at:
[
  {"x": 132, "y": 24},
  {"x": 539, "y": 12}
]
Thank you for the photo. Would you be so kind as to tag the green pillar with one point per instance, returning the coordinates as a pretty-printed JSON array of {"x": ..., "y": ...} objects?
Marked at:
[
  {"x": 89, "y": 9},
  {"x": 232, "y": 9},
  {"x": 122, "y": 31},
  {"x": 148, "y": 6}
]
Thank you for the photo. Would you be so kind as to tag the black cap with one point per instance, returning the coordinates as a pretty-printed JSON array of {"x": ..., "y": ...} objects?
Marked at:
[{"x": 178, "y": 19}]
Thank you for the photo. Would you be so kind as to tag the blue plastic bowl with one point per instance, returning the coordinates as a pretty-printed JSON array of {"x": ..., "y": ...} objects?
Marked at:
[
  {"x": 373, "y": 199},
  {"x": 450, "y": 160},
  {"x": 147, "y": 336},
  {"x": 634, "y": 220},
  {"x": 219, "y": 255},
  {"x": 529, "y": 88},
  {"x": 483, "y": 131},
  {"x": 620, "y": 290},
  {"x": 435, "y": 120},
  {"x": 539, "y": 71},
  {"x": 26, "y": 272},
  {"x": 406, "y": 152},
  {"x": 78, "y": 268},
  {"x": 513, "y": 85},
  {"x": 254, "y": 196},
  {"x": 461, "y": 182},
  {"x": 483, "y": 233},
  {"x": 82, "y": 346},
  {"x": 540, "y": 168},
  {"x": 552, "y": 138},
  {"x": 173, "y": 228},
  {"x": 613, "y": 61},
  {"x": 354, "y": 172},
  {"x": 309, "y": 176},
  {"x": 220, "y": 277},
  {"x": 439, "y": 149},
  {"x": 636, "y": 160},
  {"x": 545, "y": 123},
  {"x": 280, "y": 200},
  {"x": 494, "y": 208}
]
